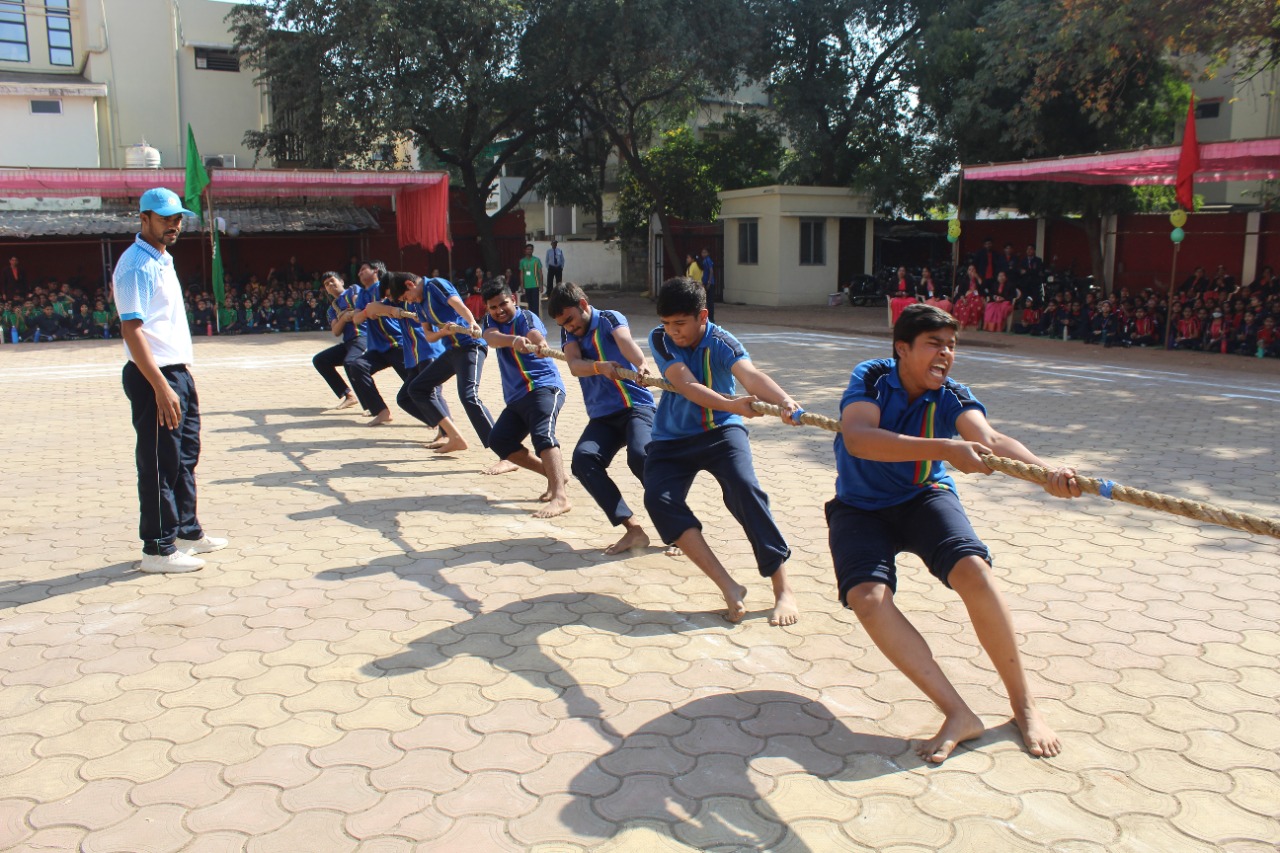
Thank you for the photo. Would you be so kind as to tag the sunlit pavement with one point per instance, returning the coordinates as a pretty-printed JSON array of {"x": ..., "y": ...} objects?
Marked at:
[{"x": 393, "y": 654}]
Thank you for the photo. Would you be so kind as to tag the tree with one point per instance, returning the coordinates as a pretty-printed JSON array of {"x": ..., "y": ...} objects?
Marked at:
[
  {"x": 736, "y": 153},
  {"x": 477, "y": 86},
  {"x": 844, "y": 76},
  {"x": 659, "y": 57},
  {"x": 1025, "y": 79}
]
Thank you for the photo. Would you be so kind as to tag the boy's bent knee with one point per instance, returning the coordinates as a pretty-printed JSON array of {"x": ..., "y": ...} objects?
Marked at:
[
  {"x": 866, "y": 598},
  {"x": 970, "y": 573}
]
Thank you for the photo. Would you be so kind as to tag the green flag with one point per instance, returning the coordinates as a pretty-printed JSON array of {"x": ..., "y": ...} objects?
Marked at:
[
  {"x": 197, "y": 177},
  {"x": 219, "y": 294}
]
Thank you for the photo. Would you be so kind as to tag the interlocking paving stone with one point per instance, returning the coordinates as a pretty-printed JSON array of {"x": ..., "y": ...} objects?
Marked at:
[{"x": 394, "y": 656}]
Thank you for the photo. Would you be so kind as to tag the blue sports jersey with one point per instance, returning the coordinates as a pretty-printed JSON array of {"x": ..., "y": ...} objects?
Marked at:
[
  {"x": 605, "y": 396},
  {"x": 436, "y": 293},
  {"x": 523, "y": 372},
  {"x": 865, "y": 484},
  {"x": 412, "y": 340},
  {"x": 344, "y": 301},
  {"x": 711, "y": 362},
  {"x": 381, "y": 333}
]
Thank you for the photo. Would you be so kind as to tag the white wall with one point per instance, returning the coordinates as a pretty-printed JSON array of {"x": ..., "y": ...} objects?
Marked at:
[
  {"x": 587, "y": 263},
  {"x": 69, "y": 140}
]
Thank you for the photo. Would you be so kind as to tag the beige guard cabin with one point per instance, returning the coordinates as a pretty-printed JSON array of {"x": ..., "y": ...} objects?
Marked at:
[{"x": 794, "y": 245}]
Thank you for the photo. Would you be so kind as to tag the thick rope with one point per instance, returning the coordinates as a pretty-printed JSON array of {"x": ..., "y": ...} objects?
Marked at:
[{"x": 1032, "y": 473}]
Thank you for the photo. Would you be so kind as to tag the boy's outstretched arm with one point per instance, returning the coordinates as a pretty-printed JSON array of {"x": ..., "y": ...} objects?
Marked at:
[
  {"x": 974, "y": 427},
  {"x": 695, "y": 392},
  {"x": 761, "y": 386},
  {"x": 863, "y": 437}
]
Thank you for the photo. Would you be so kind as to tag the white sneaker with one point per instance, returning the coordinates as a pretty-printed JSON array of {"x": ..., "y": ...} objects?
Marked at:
[
  {"x": 200, "y": 546},
  {"x": 174, "y": 563}
]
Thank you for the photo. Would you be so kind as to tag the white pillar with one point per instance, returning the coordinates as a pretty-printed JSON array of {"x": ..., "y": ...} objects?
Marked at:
[
  {"x": 869, "y": 247},
  {"x": 1252, "y": 225}
]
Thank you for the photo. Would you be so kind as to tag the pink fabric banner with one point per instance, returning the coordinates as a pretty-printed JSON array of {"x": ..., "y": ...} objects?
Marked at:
[
  {"x": 422, "y": 198},
  {"x": 1250, "y": 160},
  {"x": 275, "y": 183}
]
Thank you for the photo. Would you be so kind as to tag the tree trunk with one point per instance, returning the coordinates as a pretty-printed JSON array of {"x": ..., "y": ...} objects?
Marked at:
[
  {"x": 668, "y": 245},
  {"x": 476, "y": 199}
]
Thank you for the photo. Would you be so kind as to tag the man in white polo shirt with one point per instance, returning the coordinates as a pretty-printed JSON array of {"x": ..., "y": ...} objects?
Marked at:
[{"x": 161, "y": 392}]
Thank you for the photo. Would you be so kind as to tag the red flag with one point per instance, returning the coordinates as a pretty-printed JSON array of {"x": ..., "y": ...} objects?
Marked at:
[{"x": 1188, "y": 159}]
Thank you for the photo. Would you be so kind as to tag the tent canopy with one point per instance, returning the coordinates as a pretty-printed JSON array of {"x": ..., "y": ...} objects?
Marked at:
[
  {"x": 422, "y": 198},
  {"x": 1249, "y": 160}
]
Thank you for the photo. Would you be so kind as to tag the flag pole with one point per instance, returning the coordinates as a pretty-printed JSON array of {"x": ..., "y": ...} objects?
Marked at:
[
  {"x": 213, "y": 248},
  {"x": 1173, "y": 283}
]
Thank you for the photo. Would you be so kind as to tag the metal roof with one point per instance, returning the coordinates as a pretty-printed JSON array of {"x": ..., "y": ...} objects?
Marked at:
[{"x": 242, "y": 218}]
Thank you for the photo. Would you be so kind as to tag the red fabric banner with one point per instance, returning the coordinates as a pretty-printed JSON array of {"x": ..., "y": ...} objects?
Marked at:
[
  {"x": 1188, "y": 159},
  {"x": 422, "y": 216}
]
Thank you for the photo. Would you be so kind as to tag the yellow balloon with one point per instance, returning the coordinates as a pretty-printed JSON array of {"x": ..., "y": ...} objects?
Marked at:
[{"x": 1178, "y": 218}]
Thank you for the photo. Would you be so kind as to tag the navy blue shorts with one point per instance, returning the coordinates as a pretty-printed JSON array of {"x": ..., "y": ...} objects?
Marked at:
[
  {"x": 865, "y": 543},
  {"x": 725, "y": 453},
  {"x": 534, "y": 415}
]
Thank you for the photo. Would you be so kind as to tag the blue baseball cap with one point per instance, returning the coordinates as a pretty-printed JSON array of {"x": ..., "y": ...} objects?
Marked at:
[{"x": 163, "y": 201}]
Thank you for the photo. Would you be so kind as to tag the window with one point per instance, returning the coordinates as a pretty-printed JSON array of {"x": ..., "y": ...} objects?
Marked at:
[
  {"x": 1209, "y": 109},
  {"x": 47, "y": 108},
  {"x": 813, "y": 242},
  {"x": 215, "y": 59},
  {"x": 749, "y": 241},
  {"x": 58, "y": 20},
  {"x": 13, "y": 32}
]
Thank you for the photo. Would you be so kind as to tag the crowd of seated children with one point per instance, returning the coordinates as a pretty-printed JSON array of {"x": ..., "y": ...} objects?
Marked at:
[{"x": 1209, "y": 314}]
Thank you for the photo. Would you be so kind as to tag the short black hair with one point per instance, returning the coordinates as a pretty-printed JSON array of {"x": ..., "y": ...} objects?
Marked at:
[
  {"x": 565, "y": 295},
  {"x": 395, "y": 284},
  {"x": 917, "y": 319},
  {"x": 331, "y": 274},
  {"x": 494, "y": 288},
  {"x": 681, "y": 295},
  {"x": 377, "y": 266}
]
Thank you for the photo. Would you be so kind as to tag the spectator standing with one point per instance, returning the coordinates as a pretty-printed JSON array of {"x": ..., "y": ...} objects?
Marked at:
[
  {"x": 14, "y": 279},
  {"x": 709, "y": 282},
  {"x": 161, "y": 391},
  {"x": 555, "y": 265},
  {"x": 530, "y": 278}
]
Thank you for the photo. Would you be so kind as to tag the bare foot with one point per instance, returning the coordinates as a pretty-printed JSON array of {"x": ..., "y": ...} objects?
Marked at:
[
  {"x": 555, "y": 506},
  {"x": 785, "y": 611},
  {"x": 955, "y": 730},
  {"x": 545, "y": 496},
  {"x": 635, "y": 537},
  {"x": 347, "y": 402},
  {"x": 672, "y": 551},
  {"x": 383, "y": 417},
  {"x": 439, "y": 440},
  {"x": 452, "y": 446},
  {"x": 502, "y": 466},
  {"x": 1041, "y": 740},
  {"x": 736, "y": 607}
]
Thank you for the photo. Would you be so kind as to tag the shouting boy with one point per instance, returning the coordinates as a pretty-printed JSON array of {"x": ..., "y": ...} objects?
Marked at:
[{"x": 898, "y": 422}]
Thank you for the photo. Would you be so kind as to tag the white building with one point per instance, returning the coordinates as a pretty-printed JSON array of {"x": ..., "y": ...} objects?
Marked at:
[
  {"x": 1233, "y": 106},
  {"x": 83, "y": 80}
]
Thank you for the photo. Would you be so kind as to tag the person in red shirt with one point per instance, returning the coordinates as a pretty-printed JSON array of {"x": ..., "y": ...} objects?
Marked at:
[
  {"x": 1142, "y": 332},
  {"x": 1189, "y": 331},
  {"x": 1268, "y": 339},
  {"x": 901, "y": 296},
  {"x": 474, "y": 301}
]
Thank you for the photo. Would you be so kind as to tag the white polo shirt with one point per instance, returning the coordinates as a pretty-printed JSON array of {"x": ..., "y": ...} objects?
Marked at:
[{"x": 147, "y": 289}]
